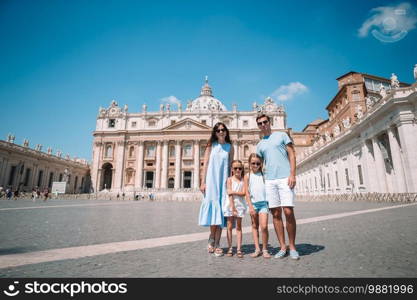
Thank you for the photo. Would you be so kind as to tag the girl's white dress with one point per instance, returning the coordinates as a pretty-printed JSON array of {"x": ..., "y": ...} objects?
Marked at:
[{"x": 239, "y": 201}]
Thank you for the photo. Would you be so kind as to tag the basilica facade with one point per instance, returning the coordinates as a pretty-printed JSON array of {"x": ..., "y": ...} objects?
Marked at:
[{"x": 163, "y": 150}]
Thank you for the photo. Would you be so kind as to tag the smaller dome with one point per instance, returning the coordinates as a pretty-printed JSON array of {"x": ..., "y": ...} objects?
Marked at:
[{"x": 206, "y": 101}]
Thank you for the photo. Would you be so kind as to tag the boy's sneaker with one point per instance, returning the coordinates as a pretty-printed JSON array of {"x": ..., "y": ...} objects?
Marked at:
[
  {"x": 281, "y": 254},
  {"x": 294, "y": 254}
]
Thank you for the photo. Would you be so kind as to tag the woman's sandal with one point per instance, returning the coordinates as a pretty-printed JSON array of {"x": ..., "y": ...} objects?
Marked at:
[
  {"x": 256, "y": 253},
  {"x": 218, "y": 252},
  {"x": 239, "y": 254},
  {"x": 266, "y": 254},
  {"x": 230, "y": 252},
  {"x": 210, "y": 246}
]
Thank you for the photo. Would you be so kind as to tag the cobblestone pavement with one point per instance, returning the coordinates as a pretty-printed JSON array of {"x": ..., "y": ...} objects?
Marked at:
[{"x": 375, "y": 244}]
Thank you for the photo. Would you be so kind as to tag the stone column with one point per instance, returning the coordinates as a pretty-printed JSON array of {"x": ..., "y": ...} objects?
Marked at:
[
  {"x": 236, "y": 149},
  {"x": 97, "y": 183},
  {"x": 354, "y": 174},
  {"x": 399, "y": 176},
  {"x": 35, "y": 175},
  {"x": 118, "y": 181},
  {"x": 113, "y": 178},
  {"x": 407, "y": 132},
  {"x": 368, "y": 170},
  {"x": 95, "y": 174},
  {"x": 196, "y": 164},
  {"x": 178, "y": 154},
  {"x": 139, "y": 166},
  {"x": 46, "y": 177},
  {"x": 3, "y": 173},
  {"x": 164, "y": 179},
  {"x": 158, "y": 165},
  {"x": 379, "y": 166}
]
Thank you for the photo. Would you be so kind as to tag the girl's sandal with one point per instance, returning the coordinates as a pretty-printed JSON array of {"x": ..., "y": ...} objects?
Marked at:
[
  {"x": 239, "y": 254},
  {"x": 256, "y": 253},
  {"x": 266, "y": 254},
  {"x": 210, "y": 248},
  {"x": 218, "y": 252},
  {"x": 230, "y": 252}
]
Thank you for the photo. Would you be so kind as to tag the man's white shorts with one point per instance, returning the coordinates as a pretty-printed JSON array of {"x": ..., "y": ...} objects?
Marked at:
[{"x": 278, "y": 193}]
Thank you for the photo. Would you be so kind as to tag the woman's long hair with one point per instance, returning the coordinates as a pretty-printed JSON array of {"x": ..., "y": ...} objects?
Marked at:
[{"x": 213, "y": 137}]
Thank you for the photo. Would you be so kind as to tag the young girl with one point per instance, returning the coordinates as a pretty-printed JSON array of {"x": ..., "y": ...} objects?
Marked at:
[
  {"x": 258, "y": 206},
  {"x": 234, "y": 208}
]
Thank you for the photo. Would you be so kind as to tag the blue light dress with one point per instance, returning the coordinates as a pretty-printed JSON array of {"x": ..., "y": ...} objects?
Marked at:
[{"x": 216, "y": 192}]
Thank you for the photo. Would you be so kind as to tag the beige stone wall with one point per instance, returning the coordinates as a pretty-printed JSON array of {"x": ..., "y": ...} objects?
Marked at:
[{"x": 23, "y": 168}]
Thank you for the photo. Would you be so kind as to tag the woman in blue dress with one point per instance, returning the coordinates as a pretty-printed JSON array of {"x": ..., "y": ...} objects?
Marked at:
[{"x": 217, "y": 159}]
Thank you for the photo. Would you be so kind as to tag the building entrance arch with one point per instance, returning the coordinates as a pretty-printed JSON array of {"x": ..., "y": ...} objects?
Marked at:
[{"x": 107, "y": 176}]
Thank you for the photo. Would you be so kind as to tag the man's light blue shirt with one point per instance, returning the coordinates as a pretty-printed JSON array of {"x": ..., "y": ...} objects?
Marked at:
[{"x": 273, "y": 150}]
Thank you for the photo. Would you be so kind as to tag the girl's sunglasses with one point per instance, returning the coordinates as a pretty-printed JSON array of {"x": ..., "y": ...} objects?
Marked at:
[
  {"x": 255, "y": 164},
  {"x": 238, "y": 168},
  {"x": 221, "y": 130}
]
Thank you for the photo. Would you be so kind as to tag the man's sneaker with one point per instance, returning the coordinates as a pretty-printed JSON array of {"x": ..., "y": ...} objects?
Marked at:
[
  {"x": 280, "y": 254},
  {"x": 294, "y": 254}
]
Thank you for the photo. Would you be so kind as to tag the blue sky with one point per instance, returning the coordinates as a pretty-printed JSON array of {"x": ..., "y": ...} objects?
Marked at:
[{"x": 61, "y": 60}]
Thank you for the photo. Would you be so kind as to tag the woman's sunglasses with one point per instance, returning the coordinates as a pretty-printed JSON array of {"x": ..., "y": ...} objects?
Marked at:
[
  {"x": 255, "y": 164},
  {"x": 238, "y": 168},
  {"x": 221, "y": 130}
]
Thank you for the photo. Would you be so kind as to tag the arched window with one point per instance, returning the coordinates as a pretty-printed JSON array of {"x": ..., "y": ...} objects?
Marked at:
[
  {"x": 171, "y": 183},
  {"x": 108, "y": 151},
  {"x": 131, "y": 151},
  {"x": 246, "y": 151},
  {"x": 150, "y": 151},
  {"x": 187, "y": 150},
  {"x": 130, "y": 176},
  {"x": 171, "y": 151}
]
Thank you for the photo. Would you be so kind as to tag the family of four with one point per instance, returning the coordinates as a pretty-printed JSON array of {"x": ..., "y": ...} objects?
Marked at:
[{"x": 229, "y": 193}]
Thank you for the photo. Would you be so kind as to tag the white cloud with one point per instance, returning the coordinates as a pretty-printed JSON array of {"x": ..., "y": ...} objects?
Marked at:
[
  {"x": 287, "y": 92},
  {"x": 390, "y": 19},
  {"x": 171, "y": 100}
]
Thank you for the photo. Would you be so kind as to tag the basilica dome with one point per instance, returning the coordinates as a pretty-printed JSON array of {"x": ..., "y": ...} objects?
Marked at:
[{"x": 206, "y": 101}]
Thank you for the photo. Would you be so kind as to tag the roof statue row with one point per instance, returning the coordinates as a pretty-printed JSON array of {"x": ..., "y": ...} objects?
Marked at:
[
  {"x": 206, "y": 102},
  {"x": 11, "y": 140}
]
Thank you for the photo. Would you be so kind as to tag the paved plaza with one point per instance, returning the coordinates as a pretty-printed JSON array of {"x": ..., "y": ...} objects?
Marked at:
[{"x": 101, "y": 238}]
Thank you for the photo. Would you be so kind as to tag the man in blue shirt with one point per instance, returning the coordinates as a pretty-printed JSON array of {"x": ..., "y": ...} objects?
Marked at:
[{"x": 278, "y": 153}]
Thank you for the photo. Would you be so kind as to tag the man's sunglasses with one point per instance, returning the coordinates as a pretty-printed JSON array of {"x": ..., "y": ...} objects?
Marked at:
[
  {"x": 221, "y": 130},
  {"x": 263, "y": 123}
]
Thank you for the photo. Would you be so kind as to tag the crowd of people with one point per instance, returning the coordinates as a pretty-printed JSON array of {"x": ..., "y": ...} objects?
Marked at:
[{"x": 35, "y": 194}]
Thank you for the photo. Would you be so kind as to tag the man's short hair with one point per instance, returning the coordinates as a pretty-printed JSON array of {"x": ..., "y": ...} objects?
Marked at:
[{"x": 263, "y": 116}]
